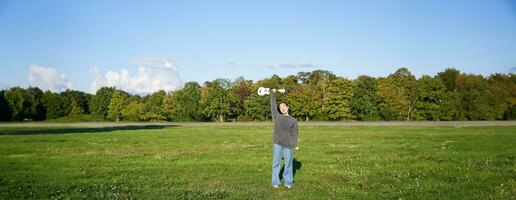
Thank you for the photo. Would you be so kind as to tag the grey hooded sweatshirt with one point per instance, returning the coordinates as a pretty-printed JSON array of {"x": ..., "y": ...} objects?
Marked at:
[{"x": 285, "y": 126}]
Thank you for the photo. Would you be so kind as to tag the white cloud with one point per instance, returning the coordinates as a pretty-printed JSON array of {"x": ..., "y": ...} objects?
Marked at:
[
  {"x": 152, "y": 75},
  {"x": 231, "y": 64},
  {"x": 98, "y": 80},
  {"x": 168, "y": 64},
  {"x": 289, "y": 65},
  {"x": 48, "y": 79}
]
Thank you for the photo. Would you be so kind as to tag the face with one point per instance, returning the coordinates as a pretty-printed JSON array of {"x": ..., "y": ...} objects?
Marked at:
[{"x": 283, "y": 108}]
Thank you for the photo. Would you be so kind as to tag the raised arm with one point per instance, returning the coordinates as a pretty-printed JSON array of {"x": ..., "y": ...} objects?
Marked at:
[{"x": 274, "y": 107}]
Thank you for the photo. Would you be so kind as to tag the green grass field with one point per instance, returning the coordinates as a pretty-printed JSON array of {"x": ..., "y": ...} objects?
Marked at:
[{"x": 213, "y": 162}]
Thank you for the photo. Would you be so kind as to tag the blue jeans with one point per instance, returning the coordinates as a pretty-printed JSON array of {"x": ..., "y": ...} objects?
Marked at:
[{"x": 288, "y": 155}]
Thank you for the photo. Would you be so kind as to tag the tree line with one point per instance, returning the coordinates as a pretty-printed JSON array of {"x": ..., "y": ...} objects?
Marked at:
[{"x": 316, "y": 95}]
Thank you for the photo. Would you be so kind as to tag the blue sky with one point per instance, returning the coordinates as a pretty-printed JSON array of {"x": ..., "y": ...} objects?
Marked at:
[{"x": 148, "y": 45}]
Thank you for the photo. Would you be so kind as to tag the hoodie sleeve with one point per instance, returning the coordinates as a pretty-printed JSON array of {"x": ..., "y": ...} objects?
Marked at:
[{"x": 294, "y": 134}]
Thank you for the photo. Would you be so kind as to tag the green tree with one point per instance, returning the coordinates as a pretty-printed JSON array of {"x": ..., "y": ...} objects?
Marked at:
[
  {"x": 240, "y": 90},
  {"x": 409, "y": 84},
  {"x": 501, "y": 87},
  {"x": 430, "y": 96},
  {"x": 474, "y": 97},
  {"x": 316, "y": 95},
  {"x": 5, "y": 110},
  {"x": 257, "y": 107},
  {"x": 364, "y": 102},
  {"x": 76, "y": 110},
  {"x": 448, "y": 77},
  {"x": 185, "y": 102},
  {"x": 169, "y": 105},
  {"x": 153, "y": 107},
  {"x": 100, "y": 101},
  {"x": 303, "y": 102},
  {"x": 38, "y": 108},
  {"x": 215, "y": 100},
  {"x": 20, "y": 103},
  {"x": 510, "y": 113},
  {"x": 131, "y": 111},
  {"x": 274, "y": 82},
  {"x": 397, "y": 95},
  {"x": 116, "y": 105},
  {"x": 391, "y": 101},
  {"x": 319, "y": 81},
  {"x": 450, "y": 106},
  {"x": 81, "y": 98},
  {"x": 315, "y": 77},
  {"x": 55, "y": 105},
  {"x": 339, "y": 95},
  {"x": 288, "y": 83}
]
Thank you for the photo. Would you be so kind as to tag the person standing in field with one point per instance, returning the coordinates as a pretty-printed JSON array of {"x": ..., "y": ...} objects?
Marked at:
[{"x": 284, "y": 142}]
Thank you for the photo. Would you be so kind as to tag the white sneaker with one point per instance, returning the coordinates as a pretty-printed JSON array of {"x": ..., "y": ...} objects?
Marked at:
[
  {"x": 275, "y": 186},
  {"x": 288, "y": 186}
]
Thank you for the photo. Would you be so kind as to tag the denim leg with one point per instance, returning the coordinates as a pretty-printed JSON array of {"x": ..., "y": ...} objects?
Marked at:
[
  {"x": 288, "y": 174},
  {"x": 276, "y": 162}
]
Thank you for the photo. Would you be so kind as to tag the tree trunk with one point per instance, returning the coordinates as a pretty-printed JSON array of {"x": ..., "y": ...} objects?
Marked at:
[
  {"x": 117, "y": 119},
  {"x": 409, "y": 112},
  {"x": 221, "y": 118},
  {"x": 306, "y": 118}
]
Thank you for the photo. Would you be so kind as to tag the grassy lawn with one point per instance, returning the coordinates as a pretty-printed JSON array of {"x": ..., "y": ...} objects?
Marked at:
[{"x": 213, "y": 162}]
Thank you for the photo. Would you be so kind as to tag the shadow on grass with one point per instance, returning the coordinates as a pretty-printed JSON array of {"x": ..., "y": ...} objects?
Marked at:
[
  {"x": 296, "y": 165},
  {"x": 67, "y": 130}
]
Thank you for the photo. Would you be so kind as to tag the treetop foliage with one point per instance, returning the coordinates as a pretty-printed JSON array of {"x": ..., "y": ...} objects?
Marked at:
[{"x": 316, "y": 95}]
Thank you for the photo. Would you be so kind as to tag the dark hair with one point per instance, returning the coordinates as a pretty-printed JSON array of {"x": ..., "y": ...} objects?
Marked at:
[{"x": 279, "y": 109}]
